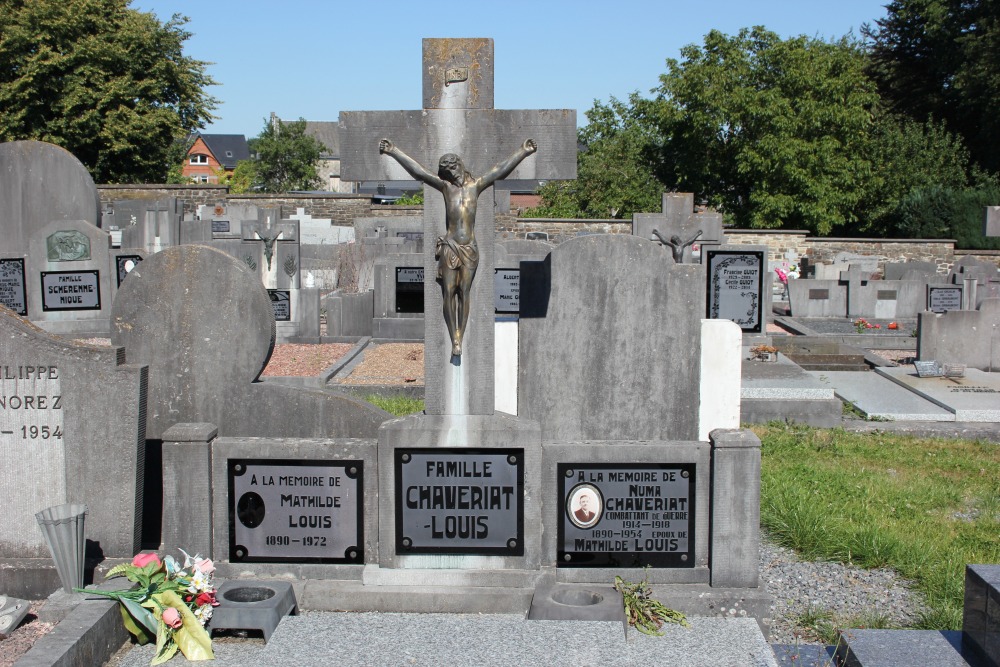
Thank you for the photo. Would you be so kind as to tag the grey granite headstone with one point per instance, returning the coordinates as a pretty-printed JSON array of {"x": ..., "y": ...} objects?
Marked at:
[
  {"x": 71, "y": 430},
  {"x": 39, "y": 183},
  {"x": 69, "y": 277},
  {"x": 149, "y": 224},
  {"x": 205, "y": 325},
  {"x": 970, "y": 337},
  {"x": 910, "y": 270},
  {"x": 973, "y": 398},
  {"x": 609, "y": 321}
]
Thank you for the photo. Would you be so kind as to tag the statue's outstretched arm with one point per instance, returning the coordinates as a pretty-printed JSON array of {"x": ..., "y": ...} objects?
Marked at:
[
  {"x": 414, "y": 168},
  {"x": 503, "y": 169}
]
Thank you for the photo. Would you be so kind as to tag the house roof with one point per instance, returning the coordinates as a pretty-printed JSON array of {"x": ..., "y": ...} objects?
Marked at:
[
  {"x": 228, "y": 149},
  {"x": 328, "y": 134}
]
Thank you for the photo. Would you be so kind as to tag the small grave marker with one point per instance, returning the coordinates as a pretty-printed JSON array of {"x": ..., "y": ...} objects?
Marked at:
[
  {"x": 296, "y": 511},
  {"x": 928, "y": 369},
  {"x": 409, "y": 289},
  {"x": 459, "y": 501},
  {"x": 943, "y": 299},
  {"x": 507, "y": 291},
  {"x": 71, "y": 290},
  {"x": 12, "y": 291},
  {"x": 626, "y": 515},
  {"x": 124, "y": 265},
  {"x": 735, "y": 287},
  {"x": 281, "y": 302}
]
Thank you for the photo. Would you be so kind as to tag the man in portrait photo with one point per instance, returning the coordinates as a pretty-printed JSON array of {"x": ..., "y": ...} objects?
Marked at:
[{"x": 584, "y": 514}]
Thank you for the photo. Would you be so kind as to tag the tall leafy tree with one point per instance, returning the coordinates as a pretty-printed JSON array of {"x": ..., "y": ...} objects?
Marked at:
[
  {"x": 774, "y": 132},
  {"x": 615, "y": 167},
  {"x": 286, "y": 157},
  {"x": 109, "y": 83},
  {"x": 941, "y": 58}
]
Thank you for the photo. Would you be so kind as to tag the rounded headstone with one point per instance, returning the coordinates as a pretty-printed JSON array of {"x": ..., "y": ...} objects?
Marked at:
[
  {"x": 40, "y": 183},
  {"x": 202, "y": 322}
]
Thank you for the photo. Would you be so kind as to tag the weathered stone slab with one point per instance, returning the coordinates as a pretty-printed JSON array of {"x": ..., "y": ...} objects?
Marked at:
[
  {"x": 40, "y": 183},
  {"x": 970, "y": 337},
  {"x": 204, "y": 324},
  {"x": 71, "y": 430},
  {"x": 900, "y": 648},
  {"x": 974, "y": 398},
  {"x": 609, "y": 321},
  {"x": 879, "y": 397},
  {"x": 781, "y": 379}
]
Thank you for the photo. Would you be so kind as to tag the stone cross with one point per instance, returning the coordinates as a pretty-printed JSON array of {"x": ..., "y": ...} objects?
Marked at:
[
  {"x": 276, "y": 256},
  {"x": 458, "y": 117},
  {"x": 679, "y": 221},
  {"x": 855, "y": 278}
]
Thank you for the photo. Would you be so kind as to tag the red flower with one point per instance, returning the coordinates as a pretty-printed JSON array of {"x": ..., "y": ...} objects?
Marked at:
[{"x": 206, "y": 598}]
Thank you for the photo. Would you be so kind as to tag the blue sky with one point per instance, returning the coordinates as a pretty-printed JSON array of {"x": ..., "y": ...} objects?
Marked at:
[{"x": 315, "y": 59}]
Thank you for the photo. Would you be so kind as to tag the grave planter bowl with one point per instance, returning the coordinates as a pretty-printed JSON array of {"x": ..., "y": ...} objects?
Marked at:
[{"x": 62, "y": 527}]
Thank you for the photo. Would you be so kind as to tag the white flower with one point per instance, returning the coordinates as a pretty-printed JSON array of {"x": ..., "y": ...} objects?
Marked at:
[{"x": 200, "y": 582}]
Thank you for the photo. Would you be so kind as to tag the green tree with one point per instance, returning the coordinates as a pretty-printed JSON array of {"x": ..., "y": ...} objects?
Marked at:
[
  {"x": 940, "y": 212},
  {"x": 941, "y": 58},
  {"x": 244, "y": 177},
  {"x": 286, "y": 157},
  {"x": 109, "y": 83},
  {"x": 773, "y": 132},
  {"x": 615, "y": 168}
]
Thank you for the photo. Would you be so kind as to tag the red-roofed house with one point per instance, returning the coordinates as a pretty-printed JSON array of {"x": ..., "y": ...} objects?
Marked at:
[{"x": 212, "y": 153}]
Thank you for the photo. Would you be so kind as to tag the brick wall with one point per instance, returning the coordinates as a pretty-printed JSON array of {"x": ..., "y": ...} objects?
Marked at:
[{"x": 344, "y": 208}]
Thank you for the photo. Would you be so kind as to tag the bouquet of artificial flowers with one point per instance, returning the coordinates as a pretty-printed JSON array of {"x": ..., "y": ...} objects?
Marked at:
[{"x": 170, "y": 606}]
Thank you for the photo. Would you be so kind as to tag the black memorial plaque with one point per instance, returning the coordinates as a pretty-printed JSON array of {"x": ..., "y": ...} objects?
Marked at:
[
  {"x": 460, "y": 501},
  {"x": 71, "y": 290},
  {"x": 626, "y": 515},
  {"x": 409, "y": 289},
  {"x": 281, "y": 301},
  {"x": 507, "y": 291},
  {"x": 124, "y": 265},
  {"x": 12, "y": 291},
  {"x": 819, "y": 294},
  {"x": 943, "y": 299},
  {"x": 735, "y": 286},
  {"x": 295, "y": 511},
  {"x": 220, "y": 226}
]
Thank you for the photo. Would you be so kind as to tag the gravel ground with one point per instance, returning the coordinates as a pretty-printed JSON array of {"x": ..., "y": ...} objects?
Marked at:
[
  {"x": 289, "y": 360},
  {"x": 389, "y": 363},
  {"x": 15, "y": 644},
  {"x": 853, "y": 595}
]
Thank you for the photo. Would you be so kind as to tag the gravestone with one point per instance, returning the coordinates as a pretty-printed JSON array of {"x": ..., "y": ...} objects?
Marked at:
[
  {"x": 970, "y": 337},
  {"x": 991, "y": 222},
  {"x": 973, "y": 398},
  {"x": 203, "y": 323},
  {"x": 41, "y": 183},
  {"x": 399, "y": 297},
  {"x": 69, "y": 278},
  {"x": 736, "y": 287},
  {"x": 817, "y": 298},
  {"x": 146, "y": 224},
  {"x": 678, "y": 223},
  {"x": 71, "y": 419},
  {"x": 911, "y": 270},
  {"x": 458, "y": 117},
  {"x": 609, "y": 321},
  {"x": 942, "y": 298},
  {"x": 13, "y": 290}
]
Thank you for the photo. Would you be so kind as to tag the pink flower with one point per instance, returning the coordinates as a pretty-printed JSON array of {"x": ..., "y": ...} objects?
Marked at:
[
  {"x": 782, "y": 276},
  {"x": 142, "y": 560},
  {"x": 206, "y": 566},
  {"x": 172, "y": 618}
]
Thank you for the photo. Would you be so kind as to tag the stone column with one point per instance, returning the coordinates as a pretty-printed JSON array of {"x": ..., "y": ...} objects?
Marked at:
[
  {"x": 735, "y": 528},
  {"x": 187, "y": 488}
]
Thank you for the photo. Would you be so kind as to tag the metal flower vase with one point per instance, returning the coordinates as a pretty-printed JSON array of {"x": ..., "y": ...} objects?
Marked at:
[{"x": 62, "y": 527}]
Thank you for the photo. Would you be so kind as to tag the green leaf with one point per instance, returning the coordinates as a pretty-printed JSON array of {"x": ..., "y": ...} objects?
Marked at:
[
  {"x": 118, "y": 570},
  {"x": 140, "y": 614},
  {"x": 140, "y": 632}
]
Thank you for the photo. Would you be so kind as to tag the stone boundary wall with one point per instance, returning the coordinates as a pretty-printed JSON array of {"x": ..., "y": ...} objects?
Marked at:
[{"x": 342, "y": 209}]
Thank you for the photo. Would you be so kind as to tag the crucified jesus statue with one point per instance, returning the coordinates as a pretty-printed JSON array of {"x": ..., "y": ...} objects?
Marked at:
[{"x": 456, "y": 252}]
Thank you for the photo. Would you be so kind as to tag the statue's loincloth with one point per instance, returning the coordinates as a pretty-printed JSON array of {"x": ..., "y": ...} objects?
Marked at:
[{"x": 451, "y": 254}]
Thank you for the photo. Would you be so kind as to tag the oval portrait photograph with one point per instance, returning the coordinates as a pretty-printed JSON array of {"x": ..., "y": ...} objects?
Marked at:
[{"x": 584, "y": 505}]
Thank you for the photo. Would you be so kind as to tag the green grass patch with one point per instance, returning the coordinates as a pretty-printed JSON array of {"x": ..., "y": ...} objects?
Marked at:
[
  {"x": 400, "y": 406},
  {"x": 924, "y": 507}
]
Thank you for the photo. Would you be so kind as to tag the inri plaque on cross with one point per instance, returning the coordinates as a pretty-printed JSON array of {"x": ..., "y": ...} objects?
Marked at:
[{"x": 458, "y": 121}]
